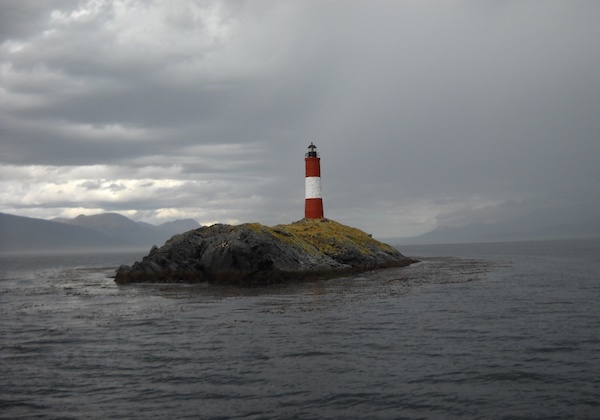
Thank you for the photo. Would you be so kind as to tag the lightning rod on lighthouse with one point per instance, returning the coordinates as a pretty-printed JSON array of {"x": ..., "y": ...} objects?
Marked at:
[{"x": 313, "y": 206}]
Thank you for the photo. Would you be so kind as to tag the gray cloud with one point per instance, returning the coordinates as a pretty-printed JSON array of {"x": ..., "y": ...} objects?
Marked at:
[{"x": 424, "y": 113}]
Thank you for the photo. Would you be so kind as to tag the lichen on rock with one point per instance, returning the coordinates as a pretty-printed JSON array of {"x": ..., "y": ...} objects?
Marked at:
[{"x": 252, "y": 253}]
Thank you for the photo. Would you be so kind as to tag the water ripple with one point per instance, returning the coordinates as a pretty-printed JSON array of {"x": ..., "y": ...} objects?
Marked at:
[{"x": 472, "y": 337}]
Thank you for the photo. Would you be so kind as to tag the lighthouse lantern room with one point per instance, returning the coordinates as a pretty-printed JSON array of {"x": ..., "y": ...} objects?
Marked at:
[{"x": 313, "y": 207}]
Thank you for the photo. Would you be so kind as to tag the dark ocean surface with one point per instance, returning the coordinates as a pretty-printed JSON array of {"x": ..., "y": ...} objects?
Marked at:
[{"x": 499, "y": 330}]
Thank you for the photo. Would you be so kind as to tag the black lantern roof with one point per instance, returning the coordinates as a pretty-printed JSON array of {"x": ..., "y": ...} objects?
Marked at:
[{"x": 312, "y": 150}]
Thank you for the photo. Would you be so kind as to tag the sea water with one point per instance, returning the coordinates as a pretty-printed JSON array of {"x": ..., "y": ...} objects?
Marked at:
[{"x": 502, "y": 330}]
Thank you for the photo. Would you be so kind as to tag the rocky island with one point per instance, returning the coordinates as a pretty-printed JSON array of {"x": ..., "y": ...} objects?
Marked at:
[{"x": 251, "y": 254}]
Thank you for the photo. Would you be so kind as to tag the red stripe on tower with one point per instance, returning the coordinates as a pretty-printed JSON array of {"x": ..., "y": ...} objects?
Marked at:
[{"x": 313, "y": 206}]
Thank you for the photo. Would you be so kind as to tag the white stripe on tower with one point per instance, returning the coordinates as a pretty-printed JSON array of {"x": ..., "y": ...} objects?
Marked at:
[{"x": 313, "y": 187}]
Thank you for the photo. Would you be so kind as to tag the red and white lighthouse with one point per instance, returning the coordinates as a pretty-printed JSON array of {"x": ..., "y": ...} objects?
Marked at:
[{"x": 313, "y": 206}]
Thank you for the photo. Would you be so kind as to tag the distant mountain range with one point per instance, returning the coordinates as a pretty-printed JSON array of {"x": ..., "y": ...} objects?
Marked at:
[
  {"x": 111, "y": 231},
  {"x": 98, "y": 232},
  {"x": 536, "y": 225}
]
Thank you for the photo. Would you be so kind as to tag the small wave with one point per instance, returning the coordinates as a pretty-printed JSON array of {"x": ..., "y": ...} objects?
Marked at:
[
  {"x": 517, "y": 376},
  {"x": 312, "y": 353}
]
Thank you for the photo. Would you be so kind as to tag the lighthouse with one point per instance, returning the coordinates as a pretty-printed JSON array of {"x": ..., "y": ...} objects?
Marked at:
[{"x": 313, "y": 205}]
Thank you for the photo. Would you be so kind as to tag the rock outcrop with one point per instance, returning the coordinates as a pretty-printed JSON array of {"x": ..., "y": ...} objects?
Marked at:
[{"x": 251, "y": 253}]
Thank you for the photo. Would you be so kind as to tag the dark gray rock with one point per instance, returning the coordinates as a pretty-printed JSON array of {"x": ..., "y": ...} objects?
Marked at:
[{"x": 252, "y": 253}]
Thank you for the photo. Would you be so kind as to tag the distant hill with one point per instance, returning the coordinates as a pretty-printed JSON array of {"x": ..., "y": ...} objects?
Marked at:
[
  {"x": 119, "y": 227},
  {"x": 109, "y": 230},
  {"x": 27, "y": 234},
  {"x": 534, "y": 226},
  {"x": 178, "y": 226},
  {"x": 127, "y": 231}
]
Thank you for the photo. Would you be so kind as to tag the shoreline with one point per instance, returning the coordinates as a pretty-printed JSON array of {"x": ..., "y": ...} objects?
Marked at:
[{"x": 251, "y": 279}]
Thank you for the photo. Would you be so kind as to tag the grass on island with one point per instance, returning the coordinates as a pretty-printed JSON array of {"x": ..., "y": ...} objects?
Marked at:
[{"x": 325, "y": 236}]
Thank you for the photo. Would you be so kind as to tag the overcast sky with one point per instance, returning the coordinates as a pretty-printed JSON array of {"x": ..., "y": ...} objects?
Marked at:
[{"x": 425, "y": 113}]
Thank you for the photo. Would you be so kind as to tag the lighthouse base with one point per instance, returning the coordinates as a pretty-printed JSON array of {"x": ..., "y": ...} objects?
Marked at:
[{"x": 313, "y": 208}]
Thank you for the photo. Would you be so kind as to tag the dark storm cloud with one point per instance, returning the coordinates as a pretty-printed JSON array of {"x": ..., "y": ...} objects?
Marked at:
[{"x": 424, "y": 112}]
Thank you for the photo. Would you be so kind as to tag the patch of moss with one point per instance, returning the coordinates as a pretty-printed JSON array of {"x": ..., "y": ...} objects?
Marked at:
[
  {"x": 314, "y": 236},
  {"x": 285, "y": 235},
  {"x": 324, "y": 236},
  {"x": 333, "y": 238}
]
